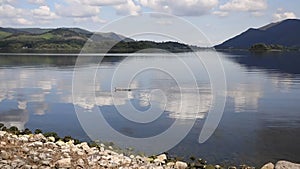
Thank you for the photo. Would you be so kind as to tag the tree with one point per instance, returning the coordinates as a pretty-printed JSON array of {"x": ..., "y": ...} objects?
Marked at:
[{"x": 259, "y": 47}]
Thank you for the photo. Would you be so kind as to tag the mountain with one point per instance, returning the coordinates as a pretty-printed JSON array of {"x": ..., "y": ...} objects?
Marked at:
[
  {"x": 285, "y": 33},
  {"x": 73, "y": 39}
]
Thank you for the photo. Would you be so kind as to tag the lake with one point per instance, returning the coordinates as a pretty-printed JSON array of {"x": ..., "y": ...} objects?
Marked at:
[{"x": 260, "y": 122}]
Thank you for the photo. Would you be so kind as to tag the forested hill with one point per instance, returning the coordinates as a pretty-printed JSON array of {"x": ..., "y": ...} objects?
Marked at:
[
  {"x": 285, "y": 33},
  {"x": 73, "y": 39}
]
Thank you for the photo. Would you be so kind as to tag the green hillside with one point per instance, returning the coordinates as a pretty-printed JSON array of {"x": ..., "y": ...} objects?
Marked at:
[{"x": 73, "y": 39}]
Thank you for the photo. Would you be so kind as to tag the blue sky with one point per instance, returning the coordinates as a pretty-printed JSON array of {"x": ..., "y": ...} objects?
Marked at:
[{"x": 217, "y": 19}]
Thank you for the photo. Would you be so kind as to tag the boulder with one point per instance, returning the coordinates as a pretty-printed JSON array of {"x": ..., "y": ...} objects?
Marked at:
[
  {"x": 181, "y": 165},
  {"x": 162, "y": 157},
  {"x": 268, "y": 166},
  {"x": 286, "y": 165},
  {"x": 64, "y": 163}
]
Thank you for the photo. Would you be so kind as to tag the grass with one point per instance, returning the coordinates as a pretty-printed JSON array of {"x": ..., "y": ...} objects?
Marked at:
[
  {"x": 47, "y": 36},
  {"x": 4, "y": 34}
]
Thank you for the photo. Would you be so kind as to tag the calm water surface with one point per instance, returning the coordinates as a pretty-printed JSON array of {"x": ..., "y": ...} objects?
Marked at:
[{"x": 261, "y": 121}]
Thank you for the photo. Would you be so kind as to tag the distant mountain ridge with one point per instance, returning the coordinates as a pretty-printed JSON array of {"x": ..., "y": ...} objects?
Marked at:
[
  {"x": 285, "y": 33},
  {"x": 74, "y": 31},
  {"x": 73, "y": 39}
]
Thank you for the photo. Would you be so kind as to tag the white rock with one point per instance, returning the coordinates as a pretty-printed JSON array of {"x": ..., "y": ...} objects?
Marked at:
[
  {"x": 162, "y": 157},
  {"x": 4, "y": 155},
  {"x": 157, "y": 161},
  {"x": 50, "y": 145},
  {"x": 80, "y": 162},
  {"x": 52, "y": 139},
  {"x": 66, "y": 155},
  {"x": 80, "y": 153},
  {"x": 170, "y": 164},
  {"x": 70, "y": 142},
  {"x": 268, "y": 166},
  {"x": 60, "y": 143},
  {"x": 286, "y": 165},
  {"x": 25, "y": 149},
  {"x": 64, "y": 163},
  {"x": 14, "y": 136},
  {"x": 23, "y": 139},
  {"x": 36, "y": 144},
  {"x": 181, "y": 165},
  {"x": 217, "y": 167},
  {"x": 2, "y": 133},
  {"x": 45, "y": 162}
]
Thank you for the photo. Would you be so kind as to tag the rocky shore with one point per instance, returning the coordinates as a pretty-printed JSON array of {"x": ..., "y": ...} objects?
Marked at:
[
  {"x": 28, "y": 151},
  {"x": 37, "y": 151}
]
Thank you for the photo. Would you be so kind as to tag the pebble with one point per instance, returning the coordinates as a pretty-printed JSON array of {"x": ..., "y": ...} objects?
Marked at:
[{"x": 36, "y": 151}]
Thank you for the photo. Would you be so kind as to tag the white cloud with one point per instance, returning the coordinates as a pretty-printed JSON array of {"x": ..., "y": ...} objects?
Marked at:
[
  {"x": 245, "y": 5},
  {"x": 77, "y": 10},
  {"x": 129, "y": 8},
  {"x": 282, "y": 15},
  {"x": 181, "y": 7},
  {"x": 44, "y": 13},
  {"x": 220, "y": 13},
  {"x": 7, "y": 1},
  {"x": 95, "y": 19},
  {"x": 23, "y": 21},
  {"x": 257, "y": 13},
  {"x": 11, "y": 15},
  {"x": 39, "y": 2},
  {"x": 102, "y": 2},
  {"x": 7, "y": 10}
]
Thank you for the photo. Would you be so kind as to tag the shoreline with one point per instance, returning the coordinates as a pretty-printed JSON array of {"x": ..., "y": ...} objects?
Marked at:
[{"x": 24, "y": 149}]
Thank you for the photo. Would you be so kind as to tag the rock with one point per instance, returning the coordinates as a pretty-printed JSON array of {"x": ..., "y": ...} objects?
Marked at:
[
  {"x": 4, "y": 155},
  {"x": 52, "y": 139},
  {"x": 37, "y": 144},
  {"x": 36, "y": 159},
  {"x": 23, "y": 138},
  {"x": 2, "y": 133},
  {"x": 80, "y": 153},
  {"x": 286, "y": 165},
  {"x": 66, "y": 155},
  {"x": 180, "y": 165},
  {"x": 60, "y": 143},
  {"x": 45, "y": 163},
  {"x": 80, "y": 162},
  {"x": 25, "y": 149},
  {"x": 63, "y": 163},
  {"x": 157, "y": 161},
  {"x": 170, "y": 164},
  {"x": 162, "y": 157},
  {"x": 232, "y": 167},
  {"x": 217, "y": 167},
  {"x": 26, "y": 167},
  {"x": 268, "y": 166},
  {"x": 42, "y": 156},
  {"x": 3, "y": 143},
  {"x": 209, "y": 166}
]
